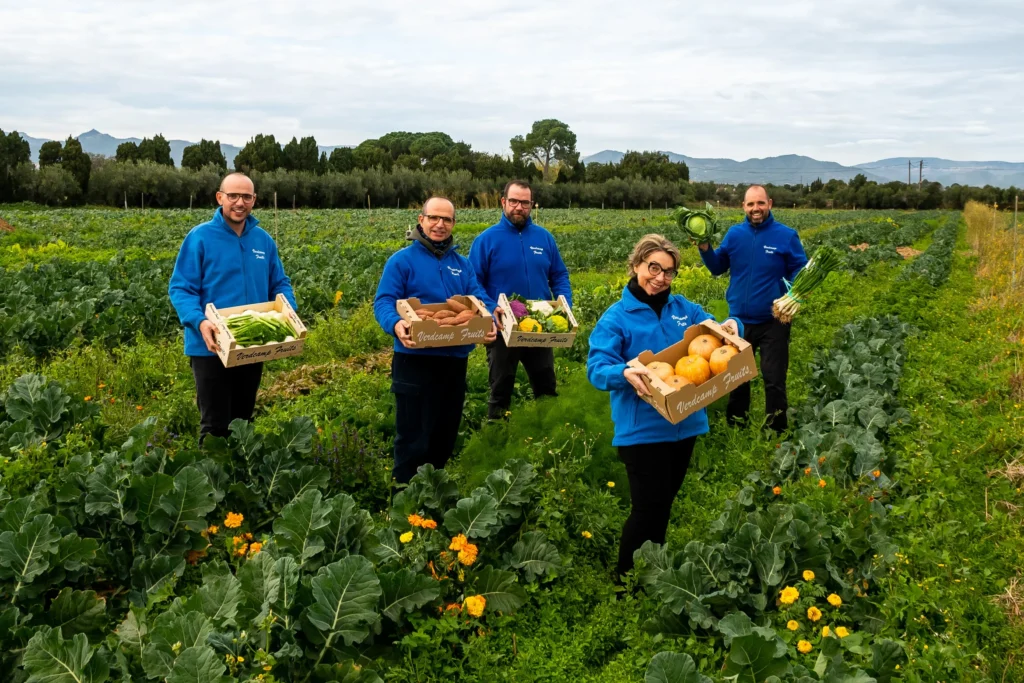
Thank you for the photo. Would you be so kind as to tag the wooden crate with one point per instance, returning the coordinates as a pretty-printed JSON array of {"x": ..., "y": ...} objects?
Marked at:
[
  {"x": 552, "y": 340},
  {"x": 429, "y": 335},
  {"x": 232, "y": 355}
]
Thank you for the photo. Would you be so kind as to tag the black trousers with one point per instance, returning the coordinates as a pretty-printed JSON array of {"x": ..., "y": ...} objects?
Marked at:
[
  {"x": 656, "y": 472},
  {"x": 772, "y": 340},
  {"x": 429, "y": 394},
  {"x": 503, "y": 363},
  {"x": 224, "y": 394}
]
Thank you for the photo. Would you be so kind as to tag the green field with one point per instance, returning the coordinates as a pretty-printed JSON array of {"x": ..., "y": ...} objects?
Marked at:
[{"x": 898, "y": 486}]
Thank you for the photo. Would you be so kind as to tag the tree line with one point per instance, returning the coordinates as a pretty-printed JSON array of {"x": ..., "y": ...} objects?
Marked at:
[{"x": 401, "y": 169}]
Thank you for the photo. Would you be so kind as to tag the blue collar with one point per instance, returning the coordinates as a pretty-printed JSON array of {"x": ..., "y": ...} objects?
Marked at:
[
  {"x": 218, "y": 219},
  {"x": 768, "y": 222}
]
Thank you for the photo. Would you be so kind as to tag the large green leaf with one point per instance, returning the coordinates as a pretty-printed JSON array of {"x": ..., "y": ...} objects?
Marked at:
[
  {"x": 679, "y": 587},
  {"x": 77, "y": 612},
  {"x": 295, "y": 483},
  {"x": 220, "y": 595},
  {"x": 656, "y": 558},
  {"x": 145, "y": 492},
  {"x": 186, "y": 505},
  {"x": 273, "y": 469},
  {"x": 199, "y": 664},
  {"x": 500, "y": 589},
  {"x": 769, "y": 561},
  {"x": 386, "y": 548},
  {"x": 533, "y": 555},
  {"x": 347, "y": 528},
  {"x": 133, "y": 632},
  {"x": 288, "y": 570},
  {"x": 345, "y": 594},
  {"x": 25, "y": 554},
  {"x": 886, "y": 655},
  {"x": 475, "y": 517},
  {"x": 297, "y": 526},
  {"x": 753, "y": 658},
  {"x": 510, "y": 486},
  {"x": 106, "y": 488},
  {"x": 673, "y": 667},
  {"x": 49, "y": 658},
  {"x": 20, "y": 512},
  {"x": 173, "y": 632},
  {"x": 153, "y": 578},
  {"x": 345, "y": 672},
  {"x": 404, "y": 591},
  {"x": 295, "y": 436},
  {"x": 261, "y": 585}
]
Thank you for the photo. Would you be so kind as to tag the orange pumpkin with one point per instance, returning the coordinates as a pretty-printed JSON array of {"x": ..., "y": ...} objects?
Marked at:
[
  {"x": 662, "y": 370},
  {"x": 694, "y": 368},
  {"x": 720, "y": 358},
  {"x": 703, "y": 346},
  {"x": 675, "y": 382}
]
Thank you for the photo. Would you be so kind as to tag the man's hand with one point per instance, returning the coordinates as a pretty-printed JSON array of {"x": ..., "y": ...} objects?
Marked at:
[
  {"x": 704, "y": 246},
  {"x": 209, "y": 333},
  {"x": 403, "y": 334},
  {"x": 493, "y": 334},
  {"x": 731, "y": 327},
  {"x": 498, "y": 313},
  {"x": 633, "y": 375}
]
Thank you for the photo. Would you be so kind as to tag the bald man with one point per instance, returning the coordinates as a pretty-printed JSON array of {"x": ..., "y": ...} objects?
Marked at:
[
  {"x": 228, "y": 261},
  {"x": 429, "y": 384}
]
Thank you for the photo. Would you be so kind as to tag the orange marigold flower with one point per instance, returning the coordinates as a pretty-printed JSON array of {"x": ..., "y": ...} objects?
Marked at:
[
  {"x": 429, "y": 524},
  {"x": 233, "y": 520},
  {"x": 467, "y": 555},
  {"x": 213, "y": 529},
  {"x": 138, "y": 407},
  {"x": 237, "y": 540},
  {"x": 415, "y": 520},
  {"x": 821, "y": 460},
  {"x": 458, "y": 543},
  {"x": 87, "y": 398},
  {"x": 777, "y": 490},
  {"x": 877, "y": 473},
  {"x": 803, "y": 647},
  {"x": 835, "y": 600},
  {"x": 101, "y": 385},
  {"x": 453, "y": 606},
  {"x": 475, "y": 604},
  {"x": 807, "y": 470},
  {"x": 821, "y": 483},
  {"x": 243, "y": 550},
  {"x": 247, "y": 536},
  {"x": 255, "y": 548}
]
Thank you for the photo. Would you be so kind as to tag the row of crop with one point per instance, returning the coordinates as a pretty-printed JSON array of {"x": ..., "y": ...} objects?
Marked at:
[
  {"x": 869, "y": 241},
  {"x": 784, "y": 587},
  {"x": 935, "y": 264}
]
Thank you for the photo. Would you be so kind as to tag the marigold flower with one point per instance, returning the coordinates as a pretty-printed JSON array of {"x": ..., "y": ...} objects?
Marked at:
[
  {"x": 237, "y": 540},
  {"x": 101, "y": 385},
  {"x": 458, "y": 543},
  {"x": 233, "y": 520},
  {"x": 842, "y": 631},
  {"x": 475, "y": 604},
  {"x": 414, "y": 520},
  {"x": 467, "y": 555},
  {"x": 247, "y": 536},
  {"x": 821, "y": 483},
  {"x": 821, "y": 460},
  {"x": 406, "y": 537},
  {"x": 834, "y": 600},
  {"x": 138, "y": 407},
  {"x": 112, "y": 400},
  {"x": 807, "y": 470},
  {"x": 241, "y": 551},
  {"x": 255, "y": 548},
  {"x": 586, "y": 534},
  {"x": 792, "y": 625},
  {"x": 611, "y": 484},
  {"x": 803, "y": 646},
  {"x": 453, "y": 606},
  {"x": 87, "y": 398},
  {"x": 213, "y": 529},
  {"x": 429, "y": 524},
  {"x": 813, "y": 613},
  {"x": 777, "y": 490},
  {"x": 825, "y": 631},
  {"x": 789, "y": 595},
  {"x": 877, "y": 473}
]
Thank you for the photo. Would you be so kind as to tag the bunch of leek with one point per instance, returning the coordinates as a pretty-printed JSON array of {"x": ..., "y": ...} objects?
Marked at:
[
  {"x": 825, "y": 260},
  {"x": 700, "y": 225},
  {"x": 253, "y": 328}
]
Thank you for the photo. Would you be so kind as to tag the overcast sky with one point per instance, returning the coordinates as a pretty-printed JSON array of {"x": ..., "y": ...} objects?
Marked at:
[{"x": 847, "y": 81}]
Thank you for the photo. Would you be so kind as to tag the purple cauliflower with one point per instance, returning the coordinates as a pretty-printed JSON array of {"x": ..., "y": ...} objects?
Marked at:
[{"x": 518, "y": 308}]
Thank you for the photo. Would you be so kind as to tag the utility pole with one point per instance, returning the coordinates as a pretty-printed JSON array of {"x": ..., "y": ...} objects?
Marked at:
[
  {"x": 920, "y": 172},
  {"x": 908, "y": 172},
  {"x": 1013, "y": 278}
]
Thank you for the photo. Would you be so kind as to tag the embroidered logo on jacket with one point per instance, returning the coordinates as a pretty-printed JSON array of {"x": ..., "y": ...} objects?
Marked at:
[
  {"x": 537, "y": 250},
  {"x": 769, "y": 249},
  {"x": 259, "y": 254},
  {"x": 455, "y": 271},
  {"x": 682, "y": 321}
]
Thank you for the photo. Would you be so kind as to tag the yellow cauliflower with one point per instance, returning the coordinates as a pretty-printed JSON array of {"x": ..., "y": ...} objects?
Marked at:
[{"x": 529, "y": 325}]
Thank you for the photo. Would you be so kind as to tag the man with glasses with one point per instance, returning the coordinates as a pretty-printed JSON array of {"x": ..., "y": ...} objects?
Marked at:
[
  {"x": 429, "y": 384},
  {"x": 517, "y": 256},
  {"x": 762, "y": 255},
  {"x": 228, "y": 261}
]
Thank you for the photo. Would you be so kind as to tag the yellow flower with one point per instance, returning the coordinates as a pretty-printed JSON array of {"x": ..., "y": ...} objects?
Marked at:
[
  {"x": 337, "y": 297},
  {"x": 821, "y": 483},
  {"x": 233, "y": 520},
  {"x": 406, "y": 537},
  {"x": 467, "y": 555},
  {"x": 789, "y": 595},
  {"x": 777, "y": 490},
  {"x": 842, "y": 631},
  {"x": 813, "y": 613},
  {"x": 803, "y": 646},
  {"x": 241, "y": 658},
  {"x": 611, "y": 484},
  {"x": 792, "y": 625},
  {"x": 458, "y": 543},
  {"x": 87, "y": 398},
  {"x": 213, "y": 529},
  {"x": 834, "y": 600},
  {"x": 808, "y": 575},
  {"x": 586, "y": 534},
  {"x": 825, "y": 631},
  {"x": 475, "y": 604},
  {"x": 255, "y": 548}
]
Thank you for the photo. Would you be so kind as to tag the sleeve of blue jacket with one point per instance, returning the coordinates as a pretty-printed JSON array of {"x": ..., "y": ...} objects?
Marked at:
[
  {"x": 558, "y": 275},
  {"x": 717, "y": 260},
  {"x": 185, "y": 283},
  {"x": 478, "y": 257},
  {"x": 389, "y": 291},
  {"x": 796, "y": 259},
  {"x": 279, "y": 282},
  {"x": 477, "y": 290},
  {"x": 606, "y": 360}
]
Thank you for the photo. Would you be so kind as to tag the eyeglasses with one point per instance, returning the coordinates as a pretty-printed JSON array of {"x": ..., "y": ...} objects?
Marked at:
[
  {"x": 654, "y": 268},
  {"x": 443, "y": 220},
  {"x": 525, "y": 203},
  {"x": 235, "y": 196}
]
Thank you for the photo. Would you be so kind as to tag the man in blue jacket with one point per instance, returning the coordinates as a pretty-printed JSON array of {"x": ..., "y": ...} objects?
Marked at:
[
  {"x": 429, "y": 384},
  {"x": 762, "y": 254},
  {"x": 517, "y": 256},
  {"x": 228, "y": 261}
]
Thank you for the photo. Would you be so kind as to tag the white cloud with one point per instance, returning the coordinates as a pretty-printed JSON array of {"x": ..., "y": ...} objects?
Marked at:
[{"x": 732, "y": 78}]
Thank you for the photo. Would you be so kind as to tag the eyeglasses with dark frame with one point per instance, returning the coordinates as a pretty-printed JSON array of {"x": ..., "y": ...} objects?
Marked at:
[
  {"x": 444, "y": 220},
  {"x": 654, "y": 268},
  {"x": 235, "y": 196},
  {"x": 525, "y": 203}
]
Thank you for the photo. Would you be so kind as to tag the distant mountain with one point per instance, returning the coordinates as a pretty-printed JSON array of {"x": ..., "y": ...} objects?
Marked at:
[
  {"x": 788, "y": 169},
  {"x": 95, "y": 142},
  {"x": 949, "y": 172}
]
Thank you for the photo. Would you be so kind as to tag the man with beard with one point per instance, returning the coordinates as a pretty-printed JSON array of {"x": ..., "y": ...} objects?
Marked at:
[
  {"x": 762, "y": 254},
  {"x": 517, "y": 256},
  {"x": 228, "y": 261}
]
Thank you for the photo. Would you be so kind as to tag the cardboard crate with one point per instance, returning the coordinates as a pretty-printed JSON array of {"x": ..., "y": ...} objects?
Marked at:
[
  {"x": 675, "y": 406},
  {"x": 430, "y": 335},
  {"x": 232, "y": 355},
  {"x": 514, "y": 337}
]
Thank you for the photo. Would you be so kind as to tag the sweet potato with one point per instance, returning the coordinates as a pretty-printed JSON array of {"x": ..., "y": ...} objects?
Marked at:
[
  {"x": 464, "y": 317},
  {"x": 440, "y": 315},
  {"x": 446, "y": 322},
  {"x": 457, "y": 306},
  {"x": 424, "y": 313}
]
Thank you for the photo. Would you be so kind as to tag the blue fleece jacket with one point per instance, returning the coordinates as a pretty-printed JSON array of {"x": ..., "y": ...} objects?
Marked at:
[
  {"x": 759, "y": 258},
  {"x": 524, "y": 262},
  {"x": 215, "y": 265},
  {"x": 416, "y": 272},
  {"x": 628, "y": 327}
]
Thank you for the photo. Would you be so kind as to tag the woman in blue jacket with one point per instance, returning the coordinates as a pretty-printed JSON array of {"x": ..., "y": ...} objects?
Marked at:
[{"x": 656, "y": 452}]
